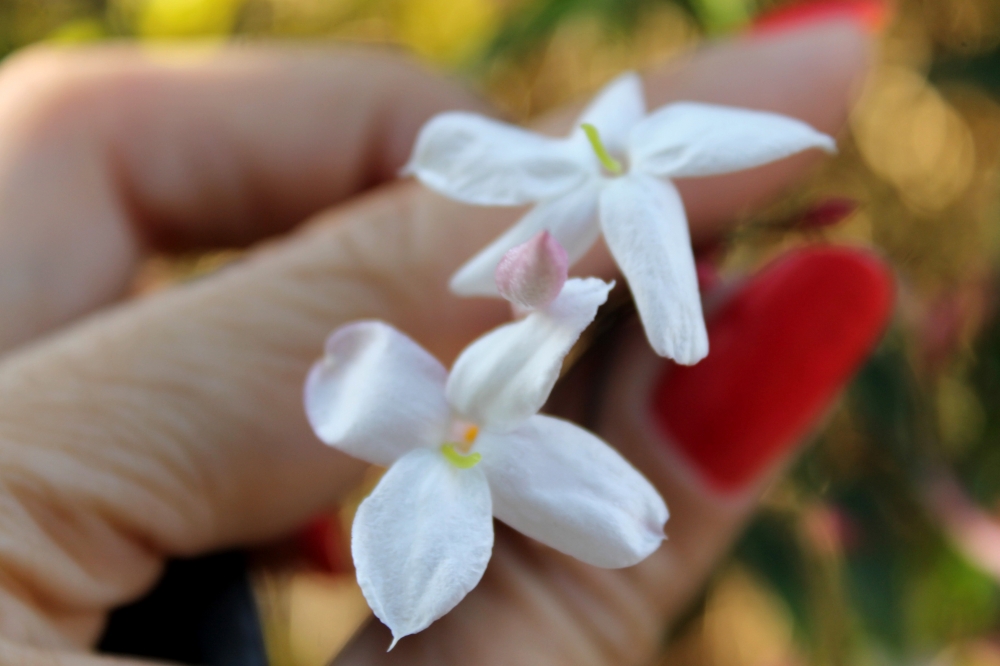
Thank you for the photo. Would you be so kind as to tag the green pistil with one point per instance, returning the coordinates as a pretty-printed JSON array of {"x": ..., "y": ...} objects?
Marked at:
[
  {"x": 458, "y": 460},
  {"x": 610, "y": 163}
]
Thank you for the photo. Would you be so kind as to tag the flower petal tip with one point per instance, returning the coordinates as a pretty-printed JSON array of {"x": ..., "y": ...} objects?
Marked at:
[
  {"x": 686, "y": 345},
  {"x": 642, "y": 549},
  {"x": 688, "y": 354},
  {"x": 532, "y": 274}
]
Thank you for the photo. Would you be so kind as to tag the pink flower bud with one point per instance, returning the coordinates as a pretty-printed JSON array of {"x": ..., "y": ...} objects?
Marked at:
[{"x": 532, "y": 274}]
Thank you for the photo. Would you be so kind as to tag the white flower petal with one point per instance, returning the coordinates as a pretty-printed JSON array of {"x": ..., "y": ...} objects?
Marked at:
[
  {"x": 692, "y": 139},
  {"x": 421, "y": 540},
  {"x": 561, "y": 485},
  {"x": 376, "y": 394},
  {"x": 646, "y": 230},
  {"x": 473, "y": 159},
  {"x": 570, "y": 218},
  {"x": 505, "y": 376},
  {"x": 615, "y": 110}
]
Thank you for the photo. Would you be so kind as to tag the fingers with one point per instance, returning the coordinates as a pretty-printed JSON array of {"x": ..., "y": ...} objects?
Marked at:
[
  {"x": 175, "y": 425},
  {"x": 710, "y": 436},
  {"x": 108, "y": 152}
]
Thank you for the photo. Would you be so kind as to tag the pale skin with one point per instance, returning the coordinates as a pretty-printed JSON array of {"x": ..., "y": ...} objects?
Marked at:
[{"x": 172, "y": 425}]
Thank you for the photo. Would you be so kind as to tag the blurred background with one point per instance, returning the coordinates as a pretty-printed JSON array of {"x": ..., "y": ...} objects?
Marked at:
[{"x": 883, "y": 544}]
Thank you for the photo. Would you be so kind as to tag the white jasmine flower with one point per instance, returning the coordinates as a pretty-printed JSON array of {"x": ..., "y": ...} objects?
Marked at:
[
  {"x": 468, "y": 446},
  {"x": 609, "y": 175}
]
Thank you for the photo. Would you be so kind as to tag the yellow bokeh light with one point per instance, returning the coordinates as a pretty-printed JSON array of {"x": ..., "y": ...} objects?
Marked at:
[
  {"x": 186, "y": 18},
  {"x": 77, "y": 32},
  {"x": 914, "y": 139},
  {"x": 446, "y": 31},
  {"x": 723, "y": 15},
  {"x": 746, "y": 624}
]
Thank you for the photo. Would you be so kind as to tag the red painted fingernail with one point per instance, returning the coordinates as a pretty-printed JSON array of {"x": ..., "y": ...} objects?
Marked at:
[
  {"x": 871, "y": 15},
  {"x": 781, "y": 349}
]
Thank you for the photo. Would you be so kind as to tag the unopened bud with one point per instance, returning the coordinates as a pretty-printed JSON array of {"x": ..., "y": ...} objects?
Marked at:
[{"x": 532, "y": 274}]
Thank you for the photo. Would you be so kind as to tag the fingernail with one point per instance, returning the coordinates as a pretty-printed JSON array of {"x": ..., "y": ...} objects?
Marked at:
[
  {"x": 781, "y": 348},
  {"x": 870, "y": 15}
]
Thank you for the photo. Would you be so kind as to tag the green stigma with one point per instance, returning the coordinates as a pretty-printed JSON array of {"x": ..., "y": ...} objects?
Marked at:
[
  {"x": 610, "y": 163},
  {"x": 458, "y": 460}
]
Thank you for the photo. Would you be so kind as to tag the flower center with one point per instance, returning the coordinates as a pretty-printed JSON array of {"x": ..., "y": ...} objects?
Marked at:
[
  {"x": 610, "y": 163},
  {"x": 457, "y": 451}
]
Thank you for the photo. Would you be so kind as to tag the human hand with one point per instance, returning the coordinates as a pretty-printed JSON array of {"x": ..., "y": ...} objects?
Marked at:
[{"x": 172, "y": 425}]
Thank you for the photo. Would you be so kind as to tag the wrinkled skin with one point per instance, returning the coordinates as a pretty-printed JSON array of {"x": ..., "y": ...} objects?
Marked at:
[{"x": 172, "y": 424}]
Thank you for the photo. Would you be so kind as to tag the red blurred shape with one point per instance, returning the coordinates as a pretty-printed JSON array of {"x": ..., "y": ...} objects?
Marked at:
[
  {"x": 827, "y": 213},
  {"x": 872, "y": 15},
  {"x": 831, "y": 531},
  {"x": 322, "y": 541},
  {"x": 781, "y": 349},
  {"x": 708, "y": 275}
]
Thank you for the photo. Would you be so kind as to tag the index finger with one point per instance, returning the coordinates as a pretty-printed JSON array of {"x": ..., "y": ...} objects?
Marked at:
[{"x": 107, "y": 153}]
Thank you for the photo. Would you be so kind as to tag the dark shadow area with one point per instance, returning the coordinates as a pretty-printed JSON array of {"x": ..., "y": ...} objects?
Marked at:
[{"x": 201, "y": 612}]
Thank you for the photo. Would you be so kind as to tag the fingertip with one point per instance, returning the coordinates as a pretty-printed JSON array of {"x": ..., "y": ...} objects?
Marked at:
[
  {"x": 781, "y": 72},
  {"x": 813, "y": 73}
]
